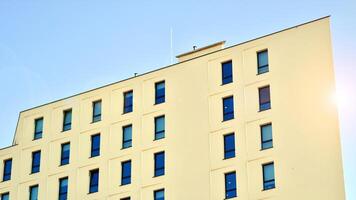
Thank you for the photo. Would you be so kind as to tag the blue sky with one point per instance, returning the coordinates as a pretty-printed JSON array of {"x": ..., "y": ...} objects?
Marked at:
[{"x": 53, "y": 49}]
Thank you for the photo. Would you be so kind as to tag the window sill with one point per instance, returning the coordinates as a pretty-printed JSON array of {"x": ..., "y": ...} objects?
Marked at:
[
  {"x": 262, "y": 73},
  {"x": 266, "y": 148},
  {"x": 155, "y": 104},
  {"x": 229, "y": 158},
  {"x": 231, "y": 197},
  {"x": 123, "y": 148},
  {"x": 92, "y": 192},
  {"x": 268, "y": 189},
  {"x": 227, "y": 120},
  {"x": 32, "y": 173},
  {"x": 265, "y": 109},
  {"x": 4, "y": 181},
  {"x": 158, "y": 176}
]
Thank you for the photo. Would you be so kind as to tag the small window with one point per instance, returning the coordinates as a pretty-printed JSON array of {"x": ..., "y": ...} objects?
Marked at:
[
  {"x": 65, "y": 153},
  {"x": 128, "y": 101},
  {"x": 94, "y": 181},
  {"x": 159, "y": 164},
  {"x": 38, "y": 128},
  {"x": 230, "y": 185},
  {"x": 34, "y": 192},
  {"x": 7, "y": 170},
  {"x": 228, "y": 108},
  {"x": 268, "y": 176},
  {"x": 5, "y": 196},
  {"x": 262, "y": 61},
  {"x": 63, "y": 188},
  {"x": 95, "y": 145},
  {"x": 127, "y": 136},
  {"x": 226, "y": 72},
  {"x": 159, "y": 127},
  {"x": 96, "y": 111},
  {"x": 229, "y": 146},
  {"x": 265, "y": 101},
  {"x": 67, "y": 120},
  {"x": 125, "y": 198},
  {"x": 159, "y": 194},
  {"x": 36, "y": 162},
  {"x": 266, "y": 136},
  {"x": 126, "y": 172},
  {"x": 160, "y": 92}
]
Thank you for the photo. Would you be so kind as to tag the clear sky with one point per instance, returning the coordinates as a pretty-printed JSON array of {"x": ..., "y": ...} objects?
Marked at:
[{"x": 53, "y": 49}]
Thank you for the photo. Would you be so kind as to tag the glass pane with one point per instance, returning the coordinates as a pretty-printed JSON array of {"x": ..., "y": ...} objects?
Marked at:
[
  {"x": 159, "y": 195},
  {"x": 159, "y": 164},
  {"x": 5, "y": 196},
  {"x": 33, "y": 193},
  {"x": 262, "y": 58},
  {"x": 160, "y": 92},
  {"x": 39, "y": 125},
  {"x": 68, "y": 117},
  {"x": 268, "y": 172},
  {"x": 128, "y": 101},
  {"x": 264, "y": 95},
  {"x": 227, "y": 72},
  {"x": 266, "y": 132},
  {"x": 126, "y": 173},
  {"x": 228, "y": 108},
  {"x": 230, "y": 185},
  {"x": 160, "y": 124},
  {"x": 229, "y": 146}
]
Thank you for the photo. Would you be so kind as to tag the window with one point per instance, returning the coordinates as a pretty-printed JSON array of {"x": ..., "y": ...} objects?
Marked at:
[
  {"x": 94, "y": 181},
  {"x": 36, "y": 161},
  {"x": 63, "y": 188},
  {"x": 230, "y": 185},
  {"x": 5, "y": 196},
  {"x": 229, "y": 146},
  {"x": 262, "y": 62},
  {"x": 125, "y": 198},
  {"x": 7, "y": 170},
  {"x": 128, "y": 101},
  {"x": 159, "y": 127},
  {"x": 160, "y": 92},
  {"x": 65, "y": 153},
  {"x": 268, "y": 176},
  {"x": 159, "y": 164},
  {"x": 265, "y": 101},
  {"x": 67, "y": 120},
  {"x": 96, "y": 111},
  {"x": 159, "y": 194},
  {"x": 95, "y": 145},
  {"x": 228, "y": 108},
  {"x": 38, "y": 128},
  {"x": 226, "y": 72},
  {"x": 127, "y": 136},
  {"x": 34, "y": 192},
  {"x": 266, "y": 136},
  {"x": 126, "y": 172}
]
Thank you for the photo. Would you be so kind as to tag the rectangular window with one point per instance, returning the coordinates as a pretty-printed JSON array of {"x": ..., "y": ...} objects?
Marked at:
[
  {"x": 262, "y": 62},
  {"x": 268, "y": 176},
  {"x": 230, "y": 185},
  {"x": 5, "y": 196},
  {"x": 36, "y": 162},
  {"x": 229, "y": 146},
  {"x": 126, "y": 172},
  {"x": 95, "y": 145},
  {"x": 38, "y": 128},
  {"x": 160, "y": 92},
  {"x": 63, "y": 188},
  {"x": 266, "y": 136},
  {"x": 125, "y": 198},
  {"x": 159, "y": 127},
  {"x": 34, "y": 192},
  {"x": 127, "y": 136},
  {"x": 228, "y": 108},
  {"x": 226, "y": 69},
  {"x": 265, "y": 99},
  {"x": 65, "y": 153},
  {"x": 67, "y": 120},
  {"x": 94, "y": 181},
  {"x": 159, "y": 194},
  {"x": 7, "y": 170},
  {"x": 128, "y": 101},
  {"x": 96, "y": 111},
  {"x": 159, "y": 164}
]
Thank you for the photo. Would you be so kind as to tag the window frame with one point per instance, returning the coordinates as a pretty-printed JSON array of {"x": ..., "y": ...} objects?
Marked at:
[
  {"x": 231, "y": 114},
  {"x": 60, "y": 192},
  {"x": 155, "y": 192},
  {"x": 95, "y": 149},
  {"x": 265, "y": 182},
  {"x": 67, "y": 126},
  {"x": 126, "y": 179},
  {"x": 65, "y": 159},
  {"x": 126, "y": 141},
  {"x": 128, "y": 108},
  {"x": 31, "y": 188},
  {"x": 262, "y": 104},
  {"x": 7, "y": 194},
  {"x": 225, "y": 79},
  {"x": 159, "y": 170},
  {"x": 160, "y": 98},
  {"x": 227, "y": 190},
  {"x": 97, "y": 117},
  {"x": 267, "y": 141},
  {"x": 7, "y": 174},
  {"x": 226, "y": 150},
  {"x": 36, "y": 167},
  {"x": 38, "y": 134},
  {"x": 160, "y": 132},
  {"x": 260, "y": 68},
  {"x": 94, "y": 187}
]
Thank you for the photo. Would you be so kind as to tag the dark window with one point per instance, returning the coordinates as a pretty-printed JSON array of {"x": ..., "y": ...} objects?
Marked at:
[
  {"x": 38, "y": 128},
  {"x": 160, "y": 92},
  {"x": 265, "y": 99},
  {"x": 96, "y": 111},
  {"x": 94, "y": 181},
  {"x": 159, "y": 194},
  {"x": 36, "y": 161},
  {"x": 268, "y": 176},
  {"x": 63, "y": 188},
  {"x": 126, "y": 172},
  {"x": 65, "y": 153},
  {"x": 128, "y": 101},
  {"x": 230, "y": 185},
  {"x": 262, "y": 61},
  {"x": 67, "y": 120},
  {"x": 5, "y": 196},
  {"x": 228, "y": 108},
  {"x": 34, "y": 192},
  {"x": 226, "y": 72},
  {"x": 159, "y": 127},
  {"x": 7, "y": 170},
  {"x": 95, "y": 145},
  {"x": 159, "y": 164},
  {"x": 266, "y": 136},
  {"x": 125, "y": 198},
  {"x": 229, "y": 146},
  {"x": 127, "y": 136}
]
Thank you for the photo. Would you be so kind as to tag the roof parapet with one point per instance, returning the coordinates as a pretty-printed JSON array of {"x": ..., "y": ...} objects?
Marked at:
[{"x": 201, "y": 51}]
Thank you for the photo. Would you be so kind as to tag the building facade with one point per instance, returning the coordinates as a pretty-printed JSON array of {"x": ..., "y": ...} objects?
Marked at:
[{"x": 250, "y": 121}]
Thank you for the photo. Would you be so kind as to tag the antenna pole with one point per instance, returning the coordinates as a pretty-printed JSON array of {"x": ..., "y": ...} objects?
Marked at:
[{"x": 171, "y": 45}]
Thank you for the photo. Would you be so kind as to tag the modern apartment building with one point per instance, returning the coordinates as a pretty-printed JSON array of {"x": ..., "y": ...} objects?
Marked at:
[{"x": 248, "y": 122}]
